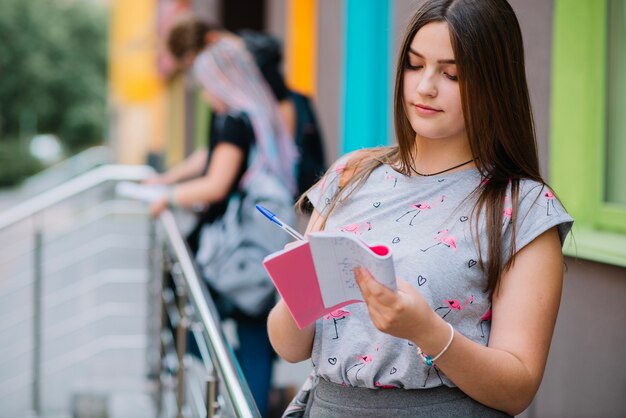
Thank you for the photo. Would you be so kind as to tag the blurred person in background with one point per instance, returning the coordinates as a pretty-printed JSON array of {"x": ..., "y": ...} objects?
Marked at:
[
  {"x": 187, "y": 38},
  {"x": 190, "y": 35},
  {"x": 250, "y": 153}
]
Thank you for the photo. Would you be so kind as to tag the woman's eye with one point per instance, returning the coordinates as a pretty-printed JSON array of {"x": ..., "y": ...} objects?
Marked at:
[
  {"x": 413, "y": 67},
  {"x": 451, "y": 77}
]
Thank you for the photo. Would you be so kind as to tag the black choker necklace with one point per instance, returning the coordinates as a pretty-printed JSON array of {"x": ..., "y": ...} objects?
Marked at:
[{"x": 443, "y": 171}]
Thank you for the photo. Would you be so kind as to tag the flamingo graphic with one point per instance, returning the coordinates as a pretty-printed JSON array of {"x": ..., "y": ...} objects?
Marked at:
[
  {"x": 508, "y": 216},
  {"x": 456, "y": 305},
  {"x": 337, "y": 315},
  {"x": 363, "y": 361},
  {"x": 486, "y": 317},
  {"x": 381, "y": 386},
  {"x": 507, "y": 212},
  {"x": 428, "y": 375},
  {"x": 549, "y": 195},
  {"x": 389, "y": 177},
  {"x": 338, "y": 170},
  {"x": 357, "y": 228},
  {"x": 444, "y": 238},
  {"x": 418, "y": 208}
]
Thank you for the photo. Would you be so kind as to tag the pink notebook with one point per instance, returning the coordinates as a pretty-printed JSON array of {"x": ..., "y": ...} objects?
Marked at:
[{"x": 315, "y": 277}]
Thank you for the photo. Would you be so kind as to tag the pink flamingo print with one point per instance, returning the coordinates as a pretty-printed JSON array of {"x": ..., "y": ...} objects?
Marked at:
[
  {"x": 357, "y": 228},
  {"x": 389, "y": 177},
  {"x": 549, "y": 195},
  {"x": 338, "y": 170},
  {"x": 381, "y": 386},
  {"x": 456, "y": 305},
  {"x": 507, "y": 213},
  {"x": 337, "y": 315},
  {"x": 486, "y": 317},
  {"x": 418, "y": 208},
  {"x": 444, "y": 238},
  {"x": 363, "y": 361},
  {"x": 508, "y": 216}
]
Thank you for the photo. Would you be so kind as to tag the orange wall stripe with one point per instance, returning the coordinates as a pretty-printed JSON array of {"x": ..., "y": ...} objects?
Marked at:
[{"x": 301, "y": 45}]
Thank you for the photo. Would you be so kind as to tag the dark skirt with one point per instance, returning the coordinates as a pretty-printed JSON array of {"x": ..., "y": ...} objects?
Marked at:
[{"x": 335, "y": 401}]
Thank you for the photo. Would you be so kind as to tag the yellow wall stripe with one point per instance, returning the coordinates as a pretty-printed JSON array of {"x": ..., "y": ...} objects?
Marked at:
[{"x": 132, "y": 51}]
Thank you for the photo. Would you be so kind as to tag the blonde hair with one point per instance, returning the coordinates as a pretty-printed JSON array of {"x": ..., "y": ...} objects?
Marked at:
[{"x": 228, "y": 72}]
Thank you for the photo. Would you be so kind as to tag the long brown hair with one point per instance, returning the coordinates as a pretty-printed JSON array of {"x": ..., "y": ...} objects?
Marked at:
[{"x": 488, "y": 50}]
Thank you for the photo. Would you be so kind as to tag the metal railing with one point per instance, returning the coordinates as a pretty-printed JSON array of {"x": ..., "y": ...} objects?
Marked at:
[
  {"x": 57, "y": 174},
  {"x": 186, "y": 310},
  {"x": 71, "y": 188},
  {"x": 189, "y": 310}
]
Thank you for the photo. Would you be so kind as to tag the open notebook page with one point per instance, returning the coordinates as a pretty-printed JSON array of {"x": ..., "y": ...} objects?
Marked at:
[{"x": 335, "y": 257}]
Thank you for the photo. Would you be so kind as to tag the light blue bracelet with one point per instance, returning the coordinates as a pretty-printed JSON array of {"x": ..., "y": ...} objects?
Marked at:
[{"x": 430, "y": 361}]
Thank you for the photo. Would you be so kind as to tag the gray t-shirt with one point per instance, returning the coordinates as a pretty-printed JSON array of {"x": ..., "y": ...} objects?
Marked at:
[{"x": 426, "y": 223}]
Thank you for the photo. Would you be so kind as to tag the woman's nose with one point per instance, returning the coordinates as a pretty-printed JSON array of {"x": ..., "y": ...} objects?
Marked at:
[{"x": 427, "y": 86}]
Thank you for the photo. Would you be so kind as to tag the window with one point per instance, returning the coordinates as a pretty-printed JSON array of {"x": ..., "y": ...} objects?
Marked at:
[
  {"x": 615, "y": 191},
  {"x": 588, "y": 127}
]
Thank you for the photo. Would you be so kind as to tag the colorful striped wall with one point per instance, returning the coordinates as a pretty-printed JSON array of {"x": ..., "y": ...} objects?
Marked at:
[
  {"x": 365, "y": 68},
  {"x": 361, "y": 84},
  {"x": 366, "y": 97},
  {"x": 301, "y": 45}
]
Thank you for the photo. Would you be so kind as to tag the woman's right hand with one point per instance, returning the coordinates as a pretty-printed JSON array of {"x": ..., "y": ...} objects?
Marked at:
[
  {"x": 404, "y": 314},
  {"x": 155, "y": 180}
]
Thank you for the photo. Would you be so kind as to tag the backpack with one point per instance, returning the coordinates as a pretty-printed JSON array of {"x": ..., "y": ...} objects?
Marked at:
[{"x": 310, "y": 165}]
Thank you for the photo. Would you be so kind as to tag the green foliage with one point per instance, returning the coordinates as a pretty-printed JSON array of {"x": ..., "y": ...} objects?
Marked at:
[
  {"x": 16, "y": 163},
  {"x": 53, "y": 70}
]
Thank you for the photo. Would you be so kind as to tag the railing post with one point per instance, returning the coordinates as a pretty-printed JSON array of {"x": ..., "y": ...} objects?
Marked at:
[
  {"x": 165, "y": 273},
  {"x": 181, "y": 338},
  {"x": 155, "y": 283},
  {"x": 211, "y": 394},
  {"x": 37, "y": 318}
]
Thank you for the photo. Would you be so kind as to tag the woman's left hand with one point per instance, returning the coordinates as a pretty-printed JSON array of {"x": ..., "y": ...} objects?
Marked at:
[
  {"x": 158, "y": 206},
  {"x": 403, "y": 314}
]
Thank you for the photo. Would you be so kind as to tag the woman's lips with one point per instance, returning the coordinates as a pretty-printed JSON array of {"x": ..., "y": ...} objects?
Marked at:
[{"x": 426, "y": 110}]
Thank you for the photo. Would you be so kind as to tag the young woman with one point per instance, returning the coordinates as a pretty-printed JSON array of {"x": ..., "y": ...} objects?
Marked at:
[
  {"x": 250, "y": 154},
  {"x": 475, "y": 232}
]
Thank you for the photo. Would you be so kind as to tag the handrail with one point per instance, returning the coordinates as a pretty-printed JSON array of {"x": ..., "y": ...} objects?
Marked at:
[
  {"x": 241, "y": 401},
  {"x": 86, "y": 160},
  {"x": 71, "y": 188},
  {"x": 223, "y": 361}
]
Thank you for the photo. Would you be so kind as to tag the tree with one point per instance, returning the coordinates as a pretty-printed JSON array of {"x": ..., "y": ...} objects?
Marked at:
[{"x": 53, "y": 71}]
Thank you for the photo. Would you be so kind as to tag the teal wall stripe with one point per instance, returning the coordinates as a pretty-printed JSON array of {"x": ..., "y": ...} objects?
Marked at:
[{"x": 366, "y": 86}]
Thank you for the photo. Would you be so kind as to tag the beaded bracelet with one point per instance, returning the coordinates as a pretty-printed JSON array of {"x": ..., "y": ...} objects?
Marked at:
[{"x": 430, "y": 361}]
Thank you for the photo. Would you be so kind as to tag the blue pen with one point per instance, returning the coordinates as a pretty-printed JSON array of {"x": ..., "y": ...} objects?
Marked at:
[{"x": 269, "y": 215}]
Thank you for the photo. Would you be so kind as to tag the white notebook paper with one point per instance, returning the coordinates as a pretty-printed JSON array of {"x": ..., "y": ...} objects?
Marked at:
[{"x": 146, "y": 192}]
